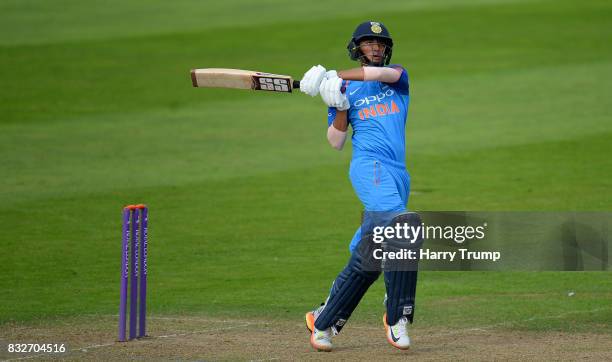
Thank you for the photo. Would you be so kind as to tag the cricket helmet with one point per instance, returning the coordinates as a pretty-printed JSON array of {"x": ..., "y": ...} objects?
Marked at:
[{"x": 370, "y": 30}]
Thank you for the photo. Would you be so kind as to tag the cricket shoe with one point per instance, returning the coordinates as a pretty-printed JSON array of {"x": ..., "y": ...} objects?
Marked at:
[
  {"x": 397, "y": 334},
  {"x": 312, "y": 316},
  {"x": 321, "y": 340}
]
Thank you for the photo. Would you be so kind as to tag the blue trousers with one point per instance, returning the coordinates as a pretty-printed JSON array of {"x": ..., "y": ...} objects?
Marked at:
[{"x": 381, "y": 185}]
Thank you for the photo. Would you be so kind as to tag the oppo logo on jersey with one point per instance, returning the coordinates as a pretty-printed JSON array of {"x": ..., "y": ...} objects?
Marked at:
[
  {"x": 372, "y": 99},
  {"x": 378, "y": 109}
]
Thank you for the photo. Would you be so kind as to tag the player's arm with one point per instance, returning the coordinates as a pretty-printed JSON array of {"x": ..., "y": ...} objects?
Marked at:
[
  {"x": 336, "y": 132},
  {"x": 385, "y": 75}
]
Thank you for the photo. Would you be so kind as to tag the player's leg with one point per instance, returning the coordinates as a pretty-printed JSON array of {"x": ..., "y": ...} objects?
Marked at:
[
  {"x": 352, "y": 283},
  {"x": 401, "y": 293},
  {"x": 346, "y": 292},
  {"x": 401, "y": 284},
  {"x": 377, "y": 191},
  {"x": 311, "y": 316}
]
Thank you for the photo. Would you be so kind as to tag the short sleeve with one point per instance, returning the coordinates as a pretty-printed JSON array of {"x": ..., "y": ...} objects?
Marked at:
[{"x": 402, "y": 84}]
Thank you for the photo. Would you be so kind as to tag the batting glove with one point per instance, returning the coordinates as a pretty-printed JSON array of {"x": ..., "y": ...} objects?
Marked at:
[
  {"x": 331, "y": 74},
  {"x": 331, "y": 93},
  {"x": 312, "y": 80}
]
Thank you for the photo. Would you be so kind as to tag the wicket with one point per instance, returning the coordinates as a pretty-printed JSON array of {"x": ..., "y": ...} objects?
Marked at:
[{"x": 134, "y": 265}]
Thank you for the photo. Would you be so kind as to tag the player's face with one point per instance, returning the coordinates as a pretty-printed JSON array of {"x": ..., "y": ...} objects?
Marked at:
[{"x": 373, "y": 49}]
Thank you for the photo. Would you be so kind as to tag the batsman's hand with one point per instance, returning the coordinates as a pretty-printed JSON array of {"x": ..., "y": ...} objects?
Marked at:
[
  {"x": 331, "y": 92},
  {"x": 312, "y": 80}
]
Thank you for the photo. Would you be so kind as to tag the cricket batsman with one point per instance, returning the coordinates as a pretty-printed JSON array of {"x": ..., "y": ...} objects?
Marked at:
[{"x": 373, "y": 99}]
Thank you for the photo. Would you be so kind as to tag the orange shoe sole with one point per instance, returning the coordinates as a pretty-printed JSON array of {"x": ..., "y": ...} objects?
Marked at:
[
  {"x": 310, "y": 320},
  {"x": 387, "y": 334}
]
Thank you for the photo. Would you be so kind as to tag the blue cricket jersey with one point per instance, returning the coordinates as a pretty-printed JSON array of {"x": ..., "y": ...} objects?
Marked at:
[{"x": 378, "y": 117}]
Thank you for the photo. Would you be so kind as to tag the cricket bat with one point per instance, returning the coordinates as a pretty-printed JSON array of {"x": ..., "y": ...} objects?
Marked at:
[{"x": 242, "y": 79}]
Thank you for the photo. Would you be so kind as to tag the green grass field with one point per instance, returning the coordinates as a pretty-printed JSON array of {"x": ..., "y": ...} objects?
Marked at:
[{"x": 251, "y": 211}]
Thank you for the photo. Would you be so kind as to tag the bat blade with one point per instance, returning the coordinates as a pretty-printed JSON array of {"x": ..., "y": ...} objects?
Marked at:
[{"x": 242, "y": 79}]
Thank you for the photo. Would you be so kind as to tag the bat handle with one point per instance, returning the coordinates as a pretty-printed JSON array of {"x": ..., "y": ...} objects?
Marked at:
[{"x": 296, "y": 85}]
